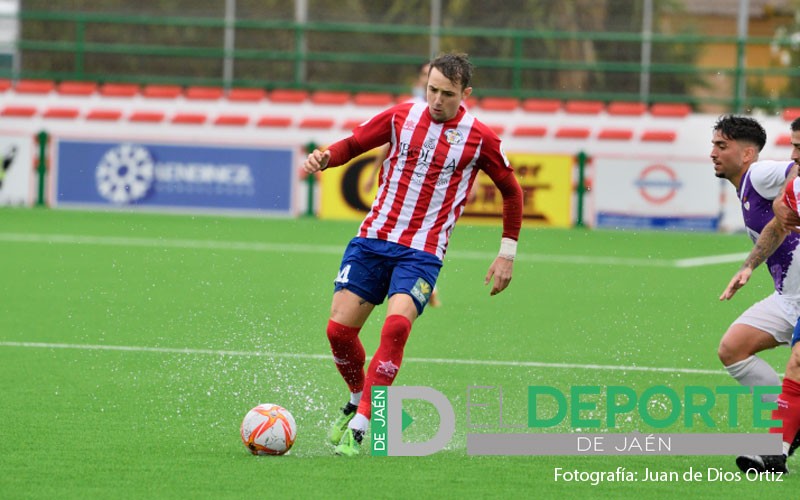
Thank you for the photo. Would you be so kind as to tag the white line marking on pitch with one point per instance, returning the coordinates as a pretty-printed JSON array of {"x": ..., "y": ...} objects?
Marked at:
[
  {"x": 711, "y": 260},
  {"x": 75, "y": 239},
  {"x": 443, "y": 361}
]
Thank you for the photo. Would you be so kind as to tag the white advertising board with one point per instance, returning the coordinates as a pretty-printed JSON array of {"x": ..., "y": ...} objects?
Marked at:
[
  {"x": 656, "y": 194},
  {"x": 16, "y": 170}
]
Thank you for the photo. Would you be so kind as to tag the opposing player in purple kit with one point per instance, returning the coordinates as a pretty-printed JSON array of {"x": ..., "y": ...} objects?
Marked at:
[{"x": 769, "y": 323}]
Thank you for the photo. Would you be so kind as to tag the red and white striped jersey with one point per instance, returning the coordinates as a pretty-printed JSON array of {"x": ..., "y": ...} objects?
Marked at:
[
  {"x": 427, "y": 174},
  {"x": 791, "y": 195}
]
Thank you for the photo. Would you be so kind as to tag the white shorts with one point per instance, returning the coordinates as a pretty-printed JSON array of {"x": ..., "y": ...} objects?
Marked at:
[{"x": 774, "y": 315}]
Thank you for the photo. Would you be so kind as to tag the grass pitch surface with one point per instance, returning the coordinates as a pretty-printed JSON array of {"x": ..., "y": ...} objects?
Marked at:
[{"x": 131, "y": 346}]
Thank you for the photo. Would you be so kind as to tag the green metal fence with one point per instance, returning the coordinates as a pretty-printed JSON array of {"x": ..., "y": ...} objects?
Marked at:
[{"x": 380, "y": 57}]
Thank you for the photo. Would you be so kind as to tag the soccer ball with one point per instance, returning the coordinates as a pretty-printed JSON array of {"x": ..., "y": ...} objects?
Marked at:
[{"x": 268, "y": 429}]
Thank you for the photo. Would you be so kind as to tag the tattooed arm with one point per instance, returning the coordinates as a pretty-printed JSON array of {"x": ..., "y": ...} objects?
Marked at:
[{"x": 768, "y": 241}]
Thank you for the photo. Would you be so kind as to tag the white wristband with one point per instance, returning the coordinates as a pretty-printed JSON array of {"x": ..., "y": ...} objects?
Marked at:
[{"x": 508, "y": 248}]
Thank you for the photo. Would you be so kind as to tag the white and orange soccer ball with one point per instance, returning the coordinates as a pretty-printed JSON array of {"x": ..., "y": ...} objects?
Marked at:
[{"x": 268, "y": 429}]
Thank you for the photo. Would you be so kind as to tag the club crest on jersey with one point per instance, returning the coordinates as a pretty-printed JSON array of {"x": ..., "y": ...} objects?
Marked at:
[{"x": 453, "y": 136}]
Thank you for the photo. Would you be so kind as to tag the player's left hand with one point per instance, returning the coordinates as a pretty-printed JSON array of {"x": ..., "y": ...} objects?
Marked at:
[
  {"x": 739, "y": 280},
  {"x": 501, "y": 270}
]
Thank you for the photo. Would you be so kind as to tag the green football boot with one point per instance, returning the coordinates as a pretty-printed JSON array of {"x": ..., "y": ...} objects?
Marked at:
[
  {"x": 340, "y": 425},
  {"x": 350, "y": 445}
]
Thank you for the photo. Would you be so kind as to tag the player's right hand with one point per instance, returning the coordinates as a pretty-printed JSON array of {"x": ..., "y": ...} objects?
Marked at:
[
  {"x": 739, "y": 280},
  {"x": 316, "y": 161}
]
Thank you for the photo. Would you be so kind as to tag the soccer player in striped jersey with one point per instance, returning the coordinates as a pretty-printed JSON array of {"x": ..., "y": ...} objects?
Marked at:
[
  {"x": 772, "y": 321},
  {"x": 435, "y": 151}
]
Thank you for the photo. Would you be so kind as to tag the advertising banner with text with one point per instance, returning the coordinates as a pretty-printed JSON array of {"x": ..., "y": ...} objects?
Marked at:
[
  {"x": 186, "y": 177},
  {"x": 546, "y": 180}
]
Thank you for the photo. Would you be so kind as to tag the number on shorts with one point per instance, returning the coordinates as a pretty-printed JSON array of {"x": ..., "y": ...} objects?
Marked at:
[{"x": 343, "y": 275}]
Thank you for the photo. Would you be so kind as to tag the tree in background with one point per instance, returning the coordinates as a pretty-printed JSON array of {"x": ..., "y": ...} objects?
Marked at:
[{"x": 785, "y": 51}]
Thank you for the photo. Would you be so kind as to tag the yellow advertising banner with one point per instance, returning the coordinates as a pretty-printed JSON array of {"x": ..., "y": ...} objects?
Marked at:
[
  {"x": 344, "y": 193},
  {"x": 546, "y": 182},
  {"x": 347, "y": 191}
]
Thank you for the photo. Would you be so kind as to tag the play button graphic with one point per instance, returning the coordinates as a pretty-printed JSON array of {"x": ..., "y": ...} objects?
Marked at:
[{"x": 407, "y": 420}]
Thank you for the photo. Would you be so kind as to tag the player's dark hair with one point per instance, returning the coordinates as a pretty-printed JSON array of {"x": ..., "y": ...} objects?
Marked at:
[
  {"x": 795, "y": 125},
  {"x": 455, "y": 66},
  {"x": 742, "y": 128}
]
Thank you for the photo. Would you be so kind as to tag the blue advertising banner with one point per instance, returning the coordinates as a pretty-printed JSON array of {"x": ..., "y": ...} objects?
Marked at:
[{"x": 176, "y": 177}]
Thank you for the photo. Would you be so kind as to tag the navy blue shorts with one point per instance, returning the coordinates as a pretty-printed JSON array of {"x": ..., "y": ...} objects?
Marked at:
[
  {"x": 796, "y": 334},
  {"x": 376, "y": 269}
]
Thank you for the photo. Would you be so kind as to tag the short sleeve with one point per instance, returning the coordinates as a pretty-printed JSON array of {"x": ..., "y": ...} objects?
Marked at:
[{"x": 768, "y": 177}]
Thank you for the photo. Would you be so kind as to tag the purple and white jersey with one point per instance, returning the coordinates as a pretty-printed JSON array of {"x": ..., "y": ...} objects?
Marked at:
[{"x": 761, "y": 184}]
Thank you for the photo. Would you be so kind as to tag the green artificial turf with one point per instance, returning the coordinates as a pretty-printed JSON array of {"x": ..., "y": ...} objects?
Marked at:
[{"x": 131, "y": 346}]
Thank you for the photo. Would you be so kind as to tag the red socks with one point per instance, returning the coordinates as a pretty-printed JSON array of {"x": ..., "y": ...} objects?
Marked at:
[
  {"x": 387, "y": 360},
  {"x": 348, "y": 354},
  {"x": 788, "y": 410}
]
